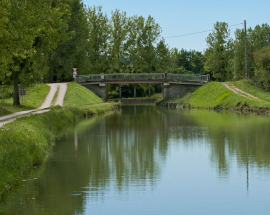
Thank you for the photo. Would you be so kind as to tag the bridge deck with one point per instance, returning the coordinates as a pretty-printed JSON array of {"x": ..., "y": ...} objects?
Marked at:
[{"x": 142, "y": 78}]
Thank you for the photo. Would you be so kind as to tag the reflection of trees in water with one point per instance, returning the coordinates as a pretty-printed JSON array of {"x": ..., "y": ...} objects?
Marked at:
[
  {"x": 125, "y": 148},
  {"x": 231, "y": 136},
  {"x": 129, "y": 148},
  {"x": 235, "y": 136},
  {"x": 117, "y": 150}
]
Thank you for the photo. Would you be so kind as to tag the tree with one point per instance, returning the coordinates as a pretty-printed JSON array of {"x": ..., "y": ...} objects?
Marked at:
[
  {"x": 257, "y": 38},
  {"x": 34, "y": 29},
  {"x": 197, "y": 63},
  {"x": 119, "y": 58},
  {"x": 262, "y": 71},
  {"x": 144, "y": 34},
  {"x": 219, "y": 52},
  {"x": 5, "y": 56},
  {"x": 187, "y": 62},
  {"x": 72, "y": 52},
  {"x": 163, "y": 59},
  {"x": 184, "y": 59},
  {"x": 98, "y": 38}
]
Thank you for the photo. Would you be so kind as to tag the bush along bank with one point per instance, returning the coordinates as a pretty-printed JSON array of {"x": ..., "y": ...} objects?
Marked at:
[
  {"x": 26, "y": 142},
  {"x": 217, "y": 97}
]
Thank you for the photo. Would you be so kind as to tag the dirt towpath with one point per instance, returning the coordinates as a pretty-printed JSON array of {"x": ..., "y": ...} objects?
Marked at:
[
  {"x": 61, "y": 87},
  {"x": 241, "y": 92}
]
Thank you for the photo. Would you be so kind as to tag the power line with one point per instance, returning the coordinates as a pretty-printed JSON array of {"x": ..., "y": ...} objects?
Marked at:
[{"x": 183, "y": 35}]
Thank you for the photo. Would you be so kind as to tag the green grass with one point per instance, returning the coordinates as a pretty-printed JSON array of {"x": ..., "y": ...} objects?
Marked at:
[
  {"x": 78, "y": 95},
  {"x": 214, "y": 95},
  {"x": 55, "y": 97},
  {"x": 246, "y": 86},
  {"x": 84, "y": 99},
  {"x": 34, "y": 98},
  {"x": 25, "y": 143}
]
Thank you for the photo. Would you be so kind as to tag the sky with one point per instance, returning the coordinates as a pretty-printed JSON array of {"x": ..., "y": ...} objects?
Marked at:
[{"x": 181, "y": 17}]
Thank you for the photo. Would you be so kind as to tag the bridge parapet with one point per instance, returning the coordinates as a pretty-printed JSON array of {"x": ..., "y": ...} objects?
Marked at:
[
  {"x": 145, "y": 77},
  {"x": 187, "y": 78}
]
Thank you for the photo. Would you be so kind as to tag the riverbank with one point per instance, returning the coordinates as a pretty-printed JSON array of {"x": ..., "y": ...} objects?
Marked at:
[
  {"x": 216, "y": 96},
  {"x": 26, "y": 142}
]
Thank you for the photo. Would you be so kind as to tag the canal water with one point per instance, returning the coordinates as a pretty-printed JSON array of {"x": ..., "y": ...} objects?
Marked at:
[{"x": 145, "y": 160}]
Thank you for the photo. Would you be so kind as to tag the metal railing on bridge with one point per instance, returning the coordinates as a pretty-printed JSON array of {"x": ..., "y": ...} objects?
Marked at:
[{"x": 164, "y": 77}]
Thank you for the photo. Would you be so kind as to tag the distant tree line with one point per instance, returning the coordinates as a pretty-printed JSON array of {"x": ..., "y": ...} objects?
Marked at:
[{"x": 41, "y": 41}]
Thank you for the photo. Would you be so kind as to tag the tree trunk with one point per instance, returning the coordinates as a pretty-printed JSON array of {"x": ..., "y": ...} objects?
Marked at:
[{"x": 16, "y": 98}]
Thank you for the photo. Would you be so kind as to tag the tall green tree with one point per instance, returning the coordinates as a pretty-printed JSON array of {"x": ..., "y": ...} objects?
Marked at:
[
  {"x": 262, "y": 71},
  {"x": 5, "y": 55},
  {"x": 147, "y": 41},
  {"x": 119, "y": 58},
  {"x": 98, "y": 39},
  {"x": 218, "y": 53},
  {"x": 72, "y": 52},
  {"x": 143, "y": 38},
  {"x": 257, "y": 38},
  {"x": 163, "y": 58},
  {"x": 34, "y": 29}
]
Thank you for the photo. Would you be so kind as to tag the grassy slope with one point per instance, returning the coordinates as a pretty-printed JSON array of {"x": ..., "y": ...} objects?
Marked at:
[
  {"x": 215, "y": 95},
  {"x": 247, "y": 87},
  {"x": 84, "y": 99},
  {"x": 78, "y": 95},
  {"x": 34, "y": 98}
]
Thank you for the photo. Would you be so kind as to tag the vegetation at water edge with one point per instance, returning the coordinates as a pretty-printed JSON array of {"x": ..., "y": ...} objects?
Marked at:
[
  {"x": 216, "y": 96},
  {"x": 26, "y": 142}
]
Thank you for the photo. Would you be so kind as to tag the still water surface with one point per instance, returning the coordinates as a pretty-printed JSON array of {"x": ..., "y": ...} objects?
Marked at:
[{"x": 145, "y": 160}]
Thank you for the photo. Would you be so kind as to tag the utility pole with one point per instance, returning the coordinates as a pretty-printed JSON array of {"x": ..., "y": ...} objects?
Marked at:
[
  {"x": 245, "y": 27},
  {"x": 234, "y": 78}
]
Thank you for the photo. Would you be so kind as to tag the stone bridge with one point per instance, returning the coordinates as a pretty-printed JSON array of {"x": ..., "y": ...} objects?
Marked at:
[{"x": 172, "y": 84}]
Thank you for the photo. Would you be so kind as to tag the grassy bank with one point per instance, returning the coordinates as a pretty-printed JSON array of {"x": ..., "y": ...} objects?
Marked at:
[
  {"x": 34, "y": 98},
  {"x": 78, "y": 95},
  {"x": 26, "y": 142},
  {"x": 246, "y": 86},
  {"x": 215, "y": 96}
]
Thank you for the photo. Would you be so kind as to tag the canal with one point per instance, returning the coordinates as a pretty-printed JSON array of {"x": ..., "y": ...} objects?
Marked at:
[{"x": 146, "y": 160}]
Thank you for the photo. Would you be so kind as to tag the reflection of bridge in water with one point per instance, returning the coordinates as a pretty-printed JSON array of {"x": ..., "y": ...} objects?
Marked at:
[{"x": 172, "y": 84}]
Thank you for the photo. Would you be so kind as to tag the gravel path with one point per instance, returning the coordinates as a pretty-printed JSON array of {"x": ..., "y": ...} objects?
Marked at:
[
  {"x": 241, "y": 92},
  {"x": 61, "y": 95},
  {"x": 43, "y": 108}
]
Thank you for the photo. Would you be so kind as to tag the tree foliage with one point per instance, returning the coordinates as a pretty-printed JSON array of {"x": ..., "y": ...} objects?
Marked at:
[
  {"x": 44, "y": 40},
  {"x": 262, "y": 70},
  {"x": 33, "y": 29},
  {"x": 219, "y": 52},
  {"x": 71, "y": 52},
  {"x": 186, "y": 62},
  {"x": 257, "y": 38},
  {"x": 97, "y": 45}
]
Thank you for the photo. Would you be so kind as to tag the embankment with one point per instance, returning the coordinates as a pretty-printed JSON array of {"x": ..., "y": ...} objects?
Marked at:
[
  {"x": 217, "y": 97},
  {"x": 26, "y": 142}
]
